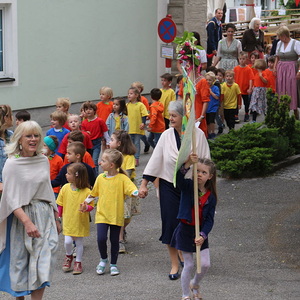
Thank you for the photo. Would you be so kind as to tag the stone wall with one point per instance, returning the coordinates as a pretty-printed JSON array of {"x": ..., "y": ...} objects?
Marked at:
[{"x": 189, "y": 15}]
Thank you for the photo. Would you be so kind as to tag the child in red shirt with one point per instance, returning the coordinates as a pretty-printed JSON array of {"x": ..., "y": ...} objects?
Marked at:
[
  {"x": 157, "y": 122},
  {"x": 77, "y": 136},
  {"x": 96, "y": 128},
  {"x": 243, "y": 76},
  {"x": 74, "y": 122},
  {"x": 258, "y": 102}
]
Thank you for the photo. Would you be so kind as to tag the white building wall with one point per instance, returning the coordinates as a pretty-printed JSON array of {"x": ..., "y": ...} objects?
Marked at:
[{"x": 71, "y": 48}]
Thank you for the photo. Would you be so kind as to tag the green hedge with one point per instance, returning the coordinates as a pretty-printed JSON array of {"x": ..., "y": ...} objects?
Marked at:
[{"x": 253, "y": 149}]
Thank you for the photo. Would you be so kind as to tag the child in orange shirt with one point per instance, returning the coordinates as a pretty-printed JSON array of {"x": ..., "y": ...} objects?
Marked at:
[
  {"x": 105, "y": 106},
  {"x": 271, "y": 77},
  {"x": 258, "y": 102},
  {"x": 55, "y": 161},
  {"x": 144, "y": 100},
  {"x": 201, "y": 103},
  {"x": 157, "y": 122},
  {"x": 243, "y": 76}
]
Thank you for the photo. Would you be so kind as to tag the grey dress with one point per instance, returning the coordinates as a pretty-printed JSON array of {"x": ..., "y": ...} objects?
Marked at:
[{"x": 228, "y": 55}]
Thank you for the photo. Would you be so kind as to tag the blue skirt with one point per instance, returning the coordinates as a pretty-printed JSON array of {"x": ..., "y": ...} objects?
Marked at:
[
  {"x": 169, "y": 198},
  {"x": 4, "y": 266},
  {"x": 183, "y": 238}
]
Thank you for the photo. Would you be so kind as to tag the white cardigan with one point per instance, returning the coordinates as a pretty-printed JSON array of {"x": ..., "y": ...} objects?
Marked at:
[{"x": 163, "y": 160}]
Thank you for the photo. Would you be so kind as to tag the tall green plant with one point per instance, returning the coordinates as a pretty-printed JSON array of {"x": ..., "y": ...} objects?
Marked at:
[{"x": 278, "y": 114}]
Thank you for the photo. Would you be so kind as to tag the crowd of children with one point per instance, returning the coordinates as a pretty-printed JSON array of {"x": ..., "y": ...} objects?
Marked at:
[
  {"x": 245, "y": 82},
  {"x": 108, "y": 134}
]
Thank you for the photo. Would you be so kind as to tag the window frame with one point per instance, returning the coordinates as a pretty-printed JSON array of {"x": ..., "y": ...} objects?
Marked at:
[{"x": 9, "y": 74}]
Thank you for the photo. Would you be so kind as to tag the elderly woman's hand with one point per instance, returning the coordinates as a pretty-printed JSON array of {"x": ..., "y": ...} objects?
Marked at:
[
  {"x": 298, "y": 75},
  {"x": 31, "y": 229},
  {"x": 143, "y": 190}
]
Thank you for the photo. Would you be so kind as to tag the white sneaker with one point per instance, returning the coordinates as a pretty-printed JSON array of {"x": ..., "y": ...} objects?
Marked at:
[
  {"x": 100, "y": 269},
  {"x": 114, "y": 270}
]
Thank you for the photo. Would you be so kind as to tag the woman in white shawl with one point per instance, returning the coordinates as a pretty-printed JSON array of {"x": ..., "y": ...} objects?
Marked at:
[
  {"x": 162, "y": 165},
  {"x": 29, "y": 223}
]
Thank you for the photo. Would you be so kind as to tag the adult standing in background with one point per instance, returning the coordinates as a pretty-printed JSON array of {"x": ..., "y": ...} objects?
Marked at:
[
  {"x": 287, "y": 68},
  {"x": 228, "y": 50},
  {"x": 253, "y": 39},
  {"x": 214, "y": 35},
  {"x": 28, "y": 216},
  {"x": 5, "y": 134}
]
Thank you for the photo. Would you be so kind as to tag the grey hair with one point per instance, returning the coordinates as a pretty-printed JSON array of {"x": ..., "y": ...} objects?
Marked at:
[
  {"x": 251, "y": 24},
  {"x": 28, "y": 127},
  {"x": 176, "y": 106}
]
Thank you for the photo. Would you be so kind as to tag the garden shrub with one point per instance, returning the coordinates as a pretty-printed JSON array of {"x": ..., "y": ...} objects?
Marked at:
[{"x": 252, "y": 150}]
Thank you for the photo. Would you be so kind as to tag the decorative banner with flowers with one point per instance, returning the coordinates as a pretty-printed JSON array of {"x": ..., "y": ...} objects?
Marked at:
[
  {"x": 188, "y": 122},
  {"x": 186, "y": 48}
]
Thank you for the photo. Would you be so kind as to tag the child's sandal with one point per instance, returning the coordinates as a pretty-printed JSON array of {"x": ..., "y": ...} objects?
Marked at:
[{"x": 197, "y": 295}]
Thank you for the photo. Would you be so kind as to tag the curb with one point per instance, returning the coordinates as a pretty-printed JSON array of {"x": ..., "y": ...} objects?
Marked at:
[{"x": 286, "y": 162}]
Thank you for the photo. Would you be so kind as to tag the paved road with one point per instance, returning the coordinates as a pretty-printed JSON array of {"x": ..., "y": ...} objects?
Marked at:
[{"x": 254, "y": 249}]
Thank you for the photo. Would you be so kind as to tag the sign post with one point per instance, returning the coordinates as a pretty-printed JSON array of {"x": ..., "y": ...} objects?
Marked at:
[{"x": 167, "y": 33}]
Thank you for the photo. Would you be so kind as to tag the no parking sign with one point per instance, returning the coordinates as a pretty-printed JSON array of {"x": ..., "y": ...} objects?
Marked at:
[{"x": 167, "y": 30}]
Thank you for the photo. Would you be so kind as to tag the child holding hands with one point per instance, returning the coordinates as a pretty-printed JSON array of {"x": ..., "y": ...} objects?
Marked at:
[
  {"x": 110, "y": 187},
  {"x": 184, "y": 238},
  {"x": 76, "y": 221},
  {"x": 121, "y": 141}
]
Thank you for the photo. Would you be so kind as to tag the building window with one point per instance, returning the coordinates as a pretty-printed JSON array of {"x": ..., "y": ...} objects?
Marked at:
[{"x": 8, "y": 42}]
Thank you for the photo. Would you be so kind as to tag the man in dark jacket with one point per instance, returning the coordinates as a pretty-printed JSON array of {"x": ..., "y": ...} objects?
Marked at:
[{"x": 214, "y": 34}]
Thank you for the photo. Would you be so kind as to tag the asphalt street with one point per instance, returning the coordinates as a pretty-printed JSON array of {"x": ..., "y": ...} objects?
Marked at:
[{"x": 255, "y": 248}]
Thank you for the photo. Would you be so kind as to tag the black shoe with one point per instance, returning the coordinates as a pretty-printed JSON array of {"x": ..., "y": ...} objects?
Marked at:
[
  {"x": 221, "y": 129},
  {"x": 246, "y": 118},
  {"x": 146, "y": 149},
  {"x": 174, "y": 276}
]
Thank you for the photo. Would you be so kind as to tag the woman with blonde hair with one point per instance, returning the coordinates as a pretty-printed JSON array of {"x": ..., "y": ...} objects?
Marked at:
[{"x": 29, "y": 223}]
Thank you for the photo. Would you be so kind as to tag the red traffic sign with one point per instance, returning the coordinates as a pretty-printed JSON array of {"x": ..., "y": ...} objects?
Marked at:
[{"x": 167, "y": 30}]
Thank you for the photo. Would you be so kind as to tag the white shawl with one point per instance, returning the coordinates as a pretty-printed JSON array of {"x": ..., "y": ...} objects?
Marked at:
[
  {"x": 163, "y": 160},
  {"x": 24, "y": 179}
]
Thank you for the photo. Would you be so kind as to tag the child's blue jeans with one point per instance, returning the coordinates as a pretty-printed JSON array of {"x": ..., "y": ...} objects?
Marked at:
[
  {"x": 153, "y": 138},
  {"x": 136, "y": 139},
  {"x": 96, "y": 153}
]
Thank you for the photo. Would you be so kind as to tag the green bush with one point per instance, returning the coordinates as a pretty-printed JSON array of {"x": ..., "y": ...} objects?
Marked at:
[{"x": 252, "y": 150}]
